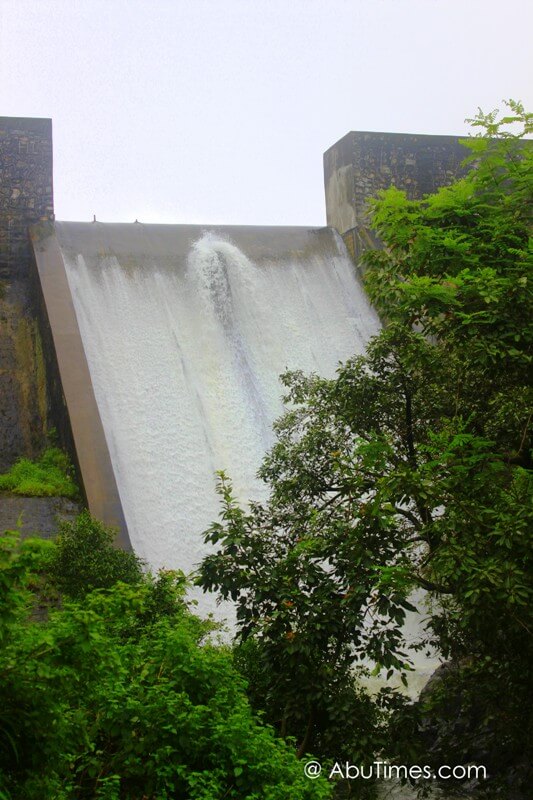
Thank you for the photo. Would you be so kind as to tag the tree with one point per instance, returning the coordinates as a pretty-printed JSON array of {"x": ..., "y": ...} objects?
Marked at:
[{"x": 412, "y": 468}]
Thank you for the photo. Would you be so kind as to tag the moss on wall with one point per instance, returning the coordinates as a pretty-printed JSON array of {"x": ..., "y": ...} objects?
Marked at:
[
  {"x": 23, "y": 401},
  {"x": 31, "y": 380},
  {"x": 26, "y": 197}
]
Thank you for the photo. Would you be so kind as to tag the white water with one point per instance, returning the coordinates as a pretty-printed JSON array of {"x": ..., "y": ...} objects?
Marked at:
[{"x": 185, "y": 361}]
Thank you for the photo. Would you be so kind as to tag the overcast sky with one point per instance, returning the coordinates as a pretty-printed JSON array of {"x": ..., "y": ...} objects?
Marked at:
[{"x": 219, "y": 111}]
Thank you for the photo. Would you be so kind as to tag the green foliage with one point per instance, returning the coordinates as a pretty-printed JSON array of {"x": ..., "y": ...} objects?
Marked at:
[
  {"x": 338, "y": 720},
  {"x": 458, "y": 263},
  {"x": 85, "y": 559},
  {"x": 51, "y": 475},
  {"x": 410, "y": 470},
  {"x": 299, "y": 595},
  {"x": 122, "y": 695},
  {"x": 19, "y": 565}
]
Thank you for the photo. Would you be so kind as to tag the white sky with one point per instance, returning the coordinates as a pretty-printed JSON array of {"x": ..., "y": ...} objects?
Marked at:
[{"x": 218, "y": 111}]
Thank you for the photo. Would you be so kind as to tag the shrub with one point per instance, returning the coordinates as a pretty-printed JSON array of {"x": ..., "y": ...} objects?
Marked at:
[
  {"x": 50, "y": 476},
  {"x": 85, "y": 558}
]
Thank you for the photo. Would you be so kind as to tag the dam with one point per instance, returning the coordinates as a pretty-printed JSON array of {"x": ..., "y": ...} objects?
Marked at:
[
  {"x": 171, "y": 340},
  {"x": 155, "y": 350}
]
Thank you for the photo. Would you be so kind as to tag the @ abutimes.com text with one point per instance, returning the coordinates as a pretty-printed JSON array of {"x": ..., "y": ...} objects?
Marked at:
[{"x": 381, "y": 770}]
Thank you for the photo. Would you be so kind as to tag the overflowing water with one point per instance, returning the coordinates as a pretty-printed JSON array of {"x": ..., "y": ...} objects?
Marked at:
[{"x": 185, "y": 350}]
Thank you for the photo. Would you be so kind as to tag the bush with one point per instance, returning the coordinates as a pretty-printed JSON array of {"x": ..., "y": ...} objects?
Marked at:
[
  {"x": 50, "y": 476},
  {"x": 85, "y": 559}
]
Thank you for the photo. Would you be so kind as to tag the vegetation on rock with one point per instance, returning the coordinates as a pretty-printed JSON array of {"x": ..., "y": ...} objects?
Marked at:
[{"x": 51, "y": 475}]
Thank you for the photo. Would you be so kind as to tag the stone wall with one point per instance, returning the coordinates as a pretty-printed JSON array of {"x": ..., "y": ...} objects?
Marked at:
[
  {"x": 26, "y": 197},
  {"x": 362, "y": 163},
  {"x": 35, "y": 516}
]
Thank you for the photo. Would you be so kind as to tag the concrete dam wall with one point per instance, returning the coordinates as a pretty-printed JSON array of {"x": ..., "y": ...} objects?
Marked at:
[{"x": 170, "y": 341}]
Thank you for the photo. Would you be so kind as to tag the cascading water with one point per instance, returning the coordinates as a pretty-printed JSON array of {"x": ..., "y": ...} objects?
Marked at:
[{"x": 185, "y": 352}]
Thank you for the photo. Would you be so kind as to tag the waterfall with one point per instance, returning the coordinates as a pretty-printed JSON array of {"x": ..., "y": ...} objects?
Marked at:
[{"x": 186, "y": 332}]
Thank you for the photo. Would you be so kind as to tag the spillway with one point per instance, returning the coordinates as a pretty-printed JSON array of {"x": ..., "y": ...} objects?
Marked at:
[{"x": 183, "y": 332}]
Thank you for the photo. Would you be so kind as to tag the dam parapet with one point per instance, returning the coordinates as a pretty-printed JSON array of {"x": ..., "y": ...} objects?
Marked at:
[{"x": 362, "y": 163}]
